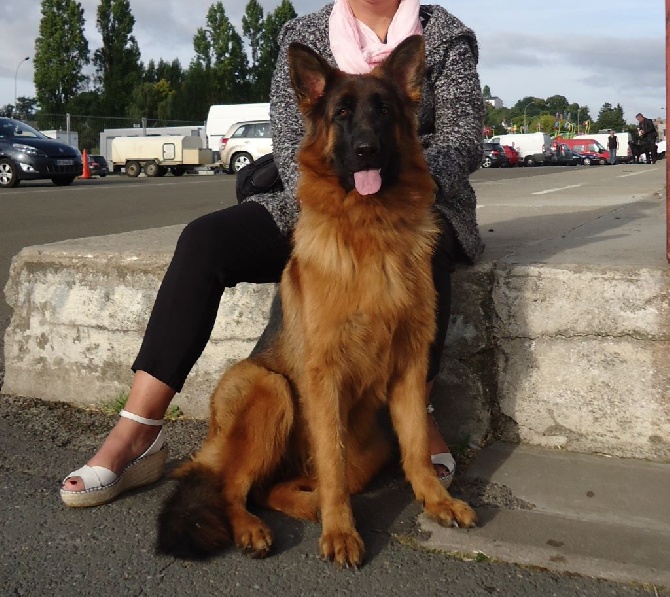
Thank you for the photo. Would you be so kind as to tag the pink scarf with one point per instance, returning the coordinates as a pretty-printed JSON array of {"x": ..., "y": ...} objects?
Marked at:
[{"x": 357, "y": 48}]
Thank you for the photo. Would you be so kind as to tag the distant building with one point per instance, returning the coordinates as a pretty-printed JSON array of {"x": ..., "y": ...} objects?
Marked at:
[
  {"x": 495, "y": 101},
  {"x": 662, "y": 128}
]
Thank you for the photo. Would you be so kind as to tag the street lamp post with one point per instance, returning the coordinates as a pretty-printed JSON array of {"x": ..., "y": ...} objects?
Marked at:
[{"x": 16, "y": 74}]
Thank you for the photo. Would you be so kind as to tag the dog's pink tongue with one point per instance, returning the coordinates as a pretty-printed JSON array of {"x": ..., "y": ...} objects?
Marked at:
[{"x": 368, "y": 182}]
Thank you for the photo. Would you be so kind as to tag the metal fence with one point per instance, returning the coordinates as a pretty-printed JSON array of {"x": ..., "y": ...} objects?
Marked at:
[{"x": 88, "y": 128}]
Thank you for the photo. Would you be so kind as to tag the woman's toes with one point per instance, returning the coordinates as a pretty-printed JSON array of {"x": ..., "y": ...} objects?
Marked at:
[{"x": 73, "y": 484}]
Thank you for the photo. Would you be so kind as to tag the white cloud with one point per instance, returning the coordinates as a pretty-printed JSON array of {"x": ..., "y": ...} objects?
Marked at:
[{"x": 592, "y": 53}]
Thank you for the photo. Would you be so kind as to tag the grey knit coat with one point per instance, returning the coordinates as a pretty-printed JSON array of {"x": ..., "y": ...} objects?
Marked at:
[{"x": 450, "y": 118}]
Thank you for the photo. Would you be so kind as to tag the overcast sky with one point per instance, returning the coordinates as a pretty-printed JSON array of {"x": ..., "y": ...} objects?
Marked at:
[{"x": 597, "y": 52}]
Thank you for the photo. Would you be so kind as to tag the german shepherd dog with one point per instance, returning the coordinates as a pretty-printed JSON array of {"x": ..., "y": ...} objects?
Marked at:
[{"x": 295, "y": 427}]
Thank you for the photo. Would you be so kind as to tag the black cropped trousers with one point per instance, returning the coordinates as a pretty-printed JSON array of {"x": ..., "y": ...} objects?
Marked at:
[{"x": 221, "y": 249}]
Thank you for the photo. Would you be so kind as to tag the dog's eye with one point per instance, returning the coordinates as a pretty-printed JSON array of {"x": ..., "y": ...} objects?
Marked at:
[
  {"x": 343, "y": 112},
  {"x": 385, "y": 110}
]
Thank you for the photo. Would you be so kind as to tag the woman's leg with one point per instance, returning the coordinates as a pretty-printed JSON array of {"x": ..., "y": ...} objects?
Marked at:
[
  {"x": 444, "y": 260},
  {"x": 214, "y": 252}
]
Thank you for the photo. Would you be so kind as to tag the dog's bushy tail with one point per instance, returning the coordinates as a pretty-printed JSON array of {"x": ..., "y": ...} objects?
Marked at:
[{"x": 193, "y": 522}]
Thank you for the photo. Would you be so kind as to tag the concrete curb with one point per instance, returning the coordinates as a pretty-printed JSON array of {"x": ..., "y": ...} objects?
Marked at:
[{"x": 570, "y": 356}]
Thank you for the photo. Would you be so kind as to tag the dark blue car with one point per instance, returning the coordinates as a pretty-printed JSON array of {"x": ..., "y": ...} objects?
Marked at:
[{"x": 27, "y": 154}]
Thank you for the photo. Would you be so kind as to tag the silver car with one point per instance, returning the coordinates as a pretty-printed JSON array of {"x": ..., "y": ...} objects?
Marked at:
[{"x": 244, "y": 143}]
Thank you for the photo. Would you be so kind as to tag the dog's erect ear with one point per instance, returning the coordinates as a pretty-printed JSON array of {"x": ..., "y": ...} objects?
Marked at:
[
  {"x": 309, "y": 73},
  {"x": 405, "y": 65}
]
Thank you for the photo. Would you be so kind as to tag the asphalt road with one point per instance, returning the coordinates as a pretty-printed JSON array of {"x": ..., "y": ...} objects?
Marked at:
[{"x": 47, "y": 549}]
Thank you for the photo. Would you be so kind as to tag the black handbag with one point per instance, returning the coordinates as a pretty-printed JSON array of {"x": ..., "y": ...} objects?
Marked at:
[{"x": 260, "y": 176}]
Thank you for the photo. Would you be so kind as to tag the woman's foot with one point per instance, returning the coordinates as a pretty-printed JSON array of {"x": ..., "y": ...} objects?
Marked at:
[
  {"x": 125, "y": 442},
  {"x": 148, "y": 398}
]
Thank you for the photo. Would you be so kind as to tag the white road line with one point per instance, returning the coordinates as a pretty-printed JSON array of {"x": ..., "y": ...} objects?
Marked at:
[
  {"x": 572, "y": 186},
  {"x": 636, "y": 173}
]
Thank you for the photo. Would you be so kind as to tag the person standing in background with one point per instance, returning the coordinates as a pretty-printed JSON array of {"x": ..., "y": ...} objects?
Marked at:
[
  {"x": 612, "y": 146},
  {"x": 647, "y": 132}
]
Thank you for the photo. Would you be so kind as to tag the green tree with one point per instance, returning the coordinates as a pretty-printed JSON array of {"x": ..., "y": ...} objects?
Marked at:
[
  {"x": 192, "y": 100},
  {"x": 269, "y": 46},
  {"x": 220, "y": 51},
  {"x": 557, "y": 104},
  {"x": 61, "y": 52},
  {"x": 117, "y": 62},
  {"x": 252, "y": 28},
  {"x": 486, "y": 92},
  {"x": 24, "y": 109},
  {"x": 148, "y": 97},
  {"x": 610, "y": 118}
]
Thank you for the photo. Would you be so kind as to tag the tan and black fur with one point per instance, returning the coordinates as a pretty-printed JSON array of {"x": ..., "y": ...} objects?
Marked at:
[{"x": 295, "y": 426}]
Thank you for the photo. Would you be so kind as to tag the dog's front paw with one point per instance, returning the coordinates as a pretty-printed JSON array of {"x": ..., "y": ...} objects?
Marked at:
[
  {"x": 451, "y": 513},
  {"x": 345, "y": 548},
  {"x": 254, "y": 538}
]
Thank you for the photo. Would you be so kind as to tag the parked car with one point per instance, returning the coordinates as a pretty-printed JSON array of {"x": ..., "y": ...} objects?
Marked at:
[
  {"x": 27, "y": 154},
  {"x": 512, "y": 154},
  {"x": 591, "y": 149},
  {"x": 562, "y": 155},
  {"x": 244, "y": 143},
  {"x": 589, "y": 158},
  {"x": 98, "y": 165},
  {"x": 494, "y": 155}
]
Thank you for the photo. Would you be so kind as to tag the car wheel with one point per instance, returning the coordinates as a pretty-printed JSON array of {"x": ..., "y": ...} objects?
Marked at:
[
  {"x": 177, "y": 171},
  {"x": 487, "y": 163},
  {"x": 587, "y": 161},
  {"x": 9, "y": 177},
  {"x": 239, "y": 161},
  {"x": 152, "y": 169},
  {"x": 62, "y": 181},
  {"x": 603, "y": 162},
  {"x": 133, "y": 169},
  {"x": 529, "y": 161}
]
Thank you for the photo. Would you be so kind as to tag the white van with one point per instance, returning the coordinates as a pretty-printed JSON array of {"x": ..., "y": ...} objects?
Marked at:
[
  {"x": 622, "y": 152},
  {"x": 533, "y": 148},
  {"x": 222, "y": 116}
]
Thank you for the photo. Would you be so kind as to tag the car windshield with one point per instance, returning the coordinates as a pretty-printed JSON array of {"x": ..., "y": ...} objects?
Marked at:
[{"x": 15, "y": 129}]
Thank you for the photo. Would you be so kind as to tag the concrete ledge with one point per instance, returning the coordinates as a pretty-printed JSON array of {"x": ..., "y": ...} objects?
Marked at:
[{"x": 570, "y": 356}]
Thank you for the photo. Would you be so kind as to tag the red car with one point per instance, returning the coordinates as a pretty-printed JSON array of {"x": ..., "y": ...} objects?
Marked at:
[{"x": 512, "y": 155}]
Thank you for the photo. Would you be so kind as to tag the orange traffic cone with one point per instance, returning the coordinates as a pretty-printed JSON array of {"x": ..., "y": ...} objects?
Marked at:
[{"x": 87, "y": 170}]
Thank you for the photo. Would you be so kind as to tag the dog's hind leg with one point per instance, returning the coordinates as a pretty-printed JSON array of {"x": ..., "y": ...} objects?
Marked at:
[
  {"x": 296, "y": 497},
  {"x": 408, "y": 413},
  {"x": 253, "y": 411},
  {"x": 251, "y": 419}
]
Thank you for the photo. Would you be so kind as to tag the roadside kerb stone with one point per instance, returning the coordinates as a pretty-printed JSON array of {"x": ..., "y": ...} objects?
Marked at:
[{"x": 551, "y": 355}]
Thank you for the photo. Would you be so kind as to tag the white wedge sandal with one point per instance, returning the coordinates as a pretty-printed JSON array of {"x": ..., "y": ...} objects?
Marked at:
[{"x": 102, "y": 485}]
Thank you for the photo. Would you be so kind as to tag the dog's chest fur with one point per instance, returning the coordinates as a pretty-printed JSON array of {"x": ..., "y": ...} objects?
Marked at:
[{"x": 359, "y": 278}]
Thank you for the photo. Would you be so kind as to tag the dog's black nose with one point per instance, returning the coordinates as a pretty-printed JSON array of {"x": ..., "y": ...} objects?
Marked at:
[{"x": 366, "y": 149}]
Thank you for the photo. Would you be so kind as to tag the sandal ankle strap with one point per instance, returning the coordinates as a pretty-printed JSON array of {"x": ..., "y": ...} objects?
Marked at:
[{"x": 133, "y": 417}]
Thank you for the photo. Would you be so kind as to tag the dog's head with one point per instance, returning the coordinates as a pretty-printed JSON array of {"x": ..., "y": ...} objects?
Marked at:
[{"x": 360, "y": 126}]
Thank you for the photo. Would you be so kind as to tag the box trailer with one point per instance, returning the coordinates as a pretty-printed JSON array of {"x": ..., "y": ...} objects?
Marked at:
[
  {"x": 107, "y": 135},
  {"x": 158, "y": 155}
]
